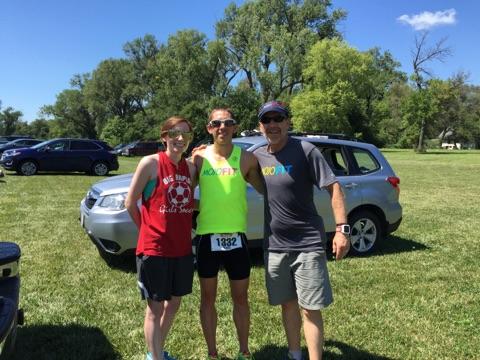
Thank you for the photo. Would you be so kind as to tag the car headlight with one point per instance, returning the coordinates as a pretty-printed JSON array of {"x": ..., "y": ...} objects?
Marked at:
[
  {"x": 11, "y": 152},
  {"x": 114, "y": 202}
]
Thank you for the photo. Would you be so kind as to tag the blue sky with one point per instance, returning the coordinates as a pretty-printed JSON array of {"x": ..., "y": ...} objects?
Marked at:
[{"x": 44, "y": 43}]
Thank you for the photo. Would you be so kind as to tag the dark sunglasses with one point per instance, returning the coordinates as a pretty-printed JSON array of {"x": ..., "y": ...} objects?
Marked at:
[
  {"x": 269, "y": 119},
  {"x": 218, "y": 123},
  {"x": 174, "y": 134}
]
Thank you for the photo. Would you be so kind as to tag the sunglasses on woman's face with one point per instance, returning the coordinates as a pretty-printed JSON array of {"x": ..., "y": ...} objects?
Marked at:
[
  {"x": 218, "y": 123},
  {"x": 269, "y": 119},
  {"x": 175, "y": 134}
]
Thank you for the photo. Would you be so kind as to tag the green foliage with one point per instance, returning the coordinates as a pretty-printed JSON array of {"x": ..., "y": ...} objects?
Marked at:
[
  {"x": 270, "y": 38},
  {"x": 112, "y": 91},
  {"x": 71, "y": 117},
  {"x": 10, "y": 121},
  {"x": 40, "y": 129},
  {"x": 390, "y": 115},
  {"x": 114, "y": 131},
  {"x": 345, "y": 89},
  {"x": 420, "y": 105},
  {"x": 328, "y": 111}
]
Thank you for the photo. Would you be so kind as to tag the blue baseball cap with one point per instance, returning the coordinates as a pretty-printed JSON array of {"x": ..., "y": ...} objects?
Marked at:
[{"x": 275, "y": 106}]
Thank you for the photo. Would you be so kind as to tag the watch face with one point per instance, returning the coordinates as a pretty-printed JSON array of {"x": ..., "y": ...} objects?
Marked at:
[{"x": 344, "y": 229}]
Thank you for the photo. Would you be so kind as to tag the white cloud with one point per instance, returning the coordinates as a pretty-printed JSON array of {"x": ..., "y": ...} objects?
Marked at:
[{"x": 427, "y": 19}]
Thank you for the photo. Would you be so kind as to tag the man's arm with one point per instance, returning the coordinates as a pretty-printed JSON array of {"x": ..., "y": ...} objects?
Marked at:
[
  {"x": 341, "y": 243},
  {"x": 253, "y": 172}
]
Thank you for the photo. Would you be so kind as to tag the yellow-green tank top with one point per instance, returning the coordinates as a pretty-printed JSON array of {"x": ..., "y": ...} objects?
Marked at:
[{"x": 223, "y": 201}]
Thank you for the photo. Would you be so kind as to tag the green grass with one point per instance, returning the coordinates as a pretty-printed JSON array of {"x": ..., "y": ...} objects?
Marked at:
[{"x": 416, "y": 297}]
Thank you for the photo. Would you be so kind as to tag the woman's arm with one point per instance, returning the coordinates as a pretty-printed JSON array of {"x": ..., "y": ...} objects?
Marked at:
[{"x": 142, "y": 175}]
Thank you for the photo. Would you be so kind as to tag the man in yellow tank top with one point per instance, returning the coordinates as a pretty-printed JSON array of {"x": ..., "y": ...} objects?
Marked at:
[{"x": 223, "y": 171}]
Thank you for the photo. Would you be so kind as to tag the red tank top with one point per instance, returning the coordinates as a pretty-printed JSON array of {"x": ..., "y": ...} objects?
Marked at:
[{"x": 167, "y": 214}]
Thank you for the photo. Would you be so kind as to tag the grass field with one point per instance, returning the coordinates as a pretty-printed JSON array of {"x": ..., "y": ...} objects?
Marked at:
[{"x": 416, "y": 297}]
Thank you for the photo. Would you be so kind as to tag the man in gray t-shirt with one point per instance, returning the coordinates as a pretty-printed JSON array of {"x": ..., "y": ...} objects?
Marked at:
[{"x": 295, "y": 261}]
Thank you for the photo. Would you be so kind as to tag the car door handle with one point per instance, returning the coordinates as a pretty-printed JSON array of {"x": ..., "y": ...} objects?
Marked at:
[{"x": 351, "y": 185}]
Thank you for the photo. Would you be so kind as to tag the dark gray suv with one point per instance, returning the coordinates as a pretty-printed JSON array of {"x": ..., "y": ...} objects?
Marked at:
[{"x": 370, "y": 185}]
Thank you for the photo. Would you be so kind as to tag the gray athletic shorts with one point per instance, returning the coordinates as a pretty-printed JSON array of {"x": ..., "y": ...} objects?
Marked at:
[
  {"x": 298, "y": 275},
  {"x": 159, "y": 278}
]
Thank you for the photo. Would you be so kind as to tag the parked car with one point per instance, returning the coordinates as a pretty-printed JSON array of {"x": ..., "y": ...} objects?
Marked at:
[
  {"x": 8, "y": 138},
  {"x": 118, "y": 148},
  {"x": 19, "y": 143},
  {"x": 142, "y": 148},
  {"x": 91, "y": 156},
  {"x": 370, "y": 185}
]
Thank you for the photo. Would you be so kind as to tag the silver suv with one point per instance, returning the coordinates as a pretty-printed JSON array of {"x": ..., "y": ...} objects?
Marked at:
[{"x": 369, "y": 183}]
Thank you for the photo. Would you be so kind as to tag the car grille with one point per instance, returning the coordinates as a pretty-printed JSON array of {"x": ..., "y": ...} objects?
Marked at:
[{"x": 91, "y": 198}]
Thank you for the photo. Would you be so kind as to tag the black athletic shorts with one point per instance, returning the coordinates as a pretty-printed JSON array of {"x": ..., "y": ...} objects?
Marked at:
[
  {"x": 236, "y": 262},
  {"x": 160, "y": 278}
]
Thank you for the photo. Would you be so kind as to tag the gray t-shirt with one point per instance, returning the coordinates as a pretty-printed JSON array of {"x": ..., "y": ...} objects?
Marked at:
[{"x": 291, "y": 219}]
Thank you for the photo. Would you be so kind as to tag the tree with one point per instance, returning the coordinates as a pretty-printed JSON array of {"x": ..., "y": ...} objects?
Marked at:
[
  {"x": 418, "y": 105},
  {"x": 389, "y": 112},
  {"x": 141, "y": 53},
  {"x": 10, "y": 120},
  {"x": 111, "y": 91},
  {"x": 40, "y": 128},
  {"x": 342, "y": 89},
  {"x": 186, "y": 73},
  {"x": 70, "y": 115},
  {"x": 268, "y": 40},
  {"x": 421, "y": 56}
]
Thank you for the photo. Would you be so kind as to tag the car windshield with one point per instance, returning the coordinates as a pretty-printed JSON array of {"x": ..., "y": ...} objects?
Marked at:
[
  {"x": 13, "y": 142},
  {"x": 132, "y": 144},
  {"x": 42, "y": 144}
]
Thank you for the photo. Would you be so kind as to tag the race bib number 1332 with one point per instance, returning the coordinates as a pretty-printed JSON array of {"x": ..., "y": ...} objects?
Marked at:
[{"x": 226, "y": 242}]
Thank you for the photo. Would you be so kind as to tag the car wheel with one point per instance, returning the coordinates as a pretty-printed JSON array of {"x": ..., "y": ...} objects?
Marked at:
[
  {"x": 100, "y": 168},
  {"x": 27, "y": 168},
  {"x": 366, "y": 231}
]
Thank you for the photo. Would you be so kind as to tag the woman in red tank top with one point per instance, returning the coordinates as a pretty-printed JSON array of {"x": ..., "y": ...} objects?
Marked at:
[{"x": 165, "y": 183}]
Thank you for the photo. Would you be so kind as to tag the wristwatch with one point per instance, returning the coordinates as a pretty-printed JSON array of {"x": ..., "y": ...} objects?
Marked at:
[{"x": 343, "y": 228}]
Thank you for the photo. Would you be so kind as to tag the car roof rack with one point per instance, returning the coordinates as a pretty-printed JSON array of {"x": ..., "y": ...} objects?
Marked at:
[
  {"x": 253, "y": 132},
  {"x": 324, "y": 135},
  {"x": 337, "y": 136}
]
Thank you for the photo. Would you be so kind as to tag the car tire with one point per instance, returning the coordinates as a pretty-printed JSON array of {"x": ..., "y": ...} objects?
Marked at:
[
  {"x": 366, "y": 232},
  {"x": 27, "y": 168},
  {"x": 100, "y": 168}
]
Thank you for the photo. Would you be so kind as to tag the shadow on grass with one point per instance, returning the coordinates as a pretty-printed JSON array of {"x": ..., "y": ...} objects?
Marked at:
[
  {"x": 335, "y": 350},
  {"x": 51, "y": 342},
  {"x": 393, "y": 244},
  {"x": 125, "y": 262},
  {"x": 390, "y": 245}
]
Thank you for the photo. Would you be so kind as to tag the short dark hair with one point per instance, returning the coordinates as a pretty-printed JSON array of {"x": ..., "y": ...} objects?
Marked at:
[{"x": 221, "y": 109}]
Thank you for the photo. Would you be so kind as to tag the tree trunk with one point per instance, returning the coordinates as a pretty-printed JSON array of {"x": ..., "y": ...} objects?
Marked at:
[{"x": 421, "y": 146}]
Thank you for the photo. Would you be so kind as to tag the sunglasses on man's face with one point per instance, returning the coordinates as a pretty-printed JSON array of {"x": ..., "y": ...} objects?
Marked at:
[
  {"x": 269, "y": 119},
  {"x": 218, "y": 123},
  {"x": 175, "y": 134}
]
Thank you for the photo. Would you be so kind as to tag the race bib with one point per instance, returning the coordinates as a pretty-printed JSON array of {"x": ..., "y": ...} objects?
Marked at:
[{"x": 226, "y": 242}]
